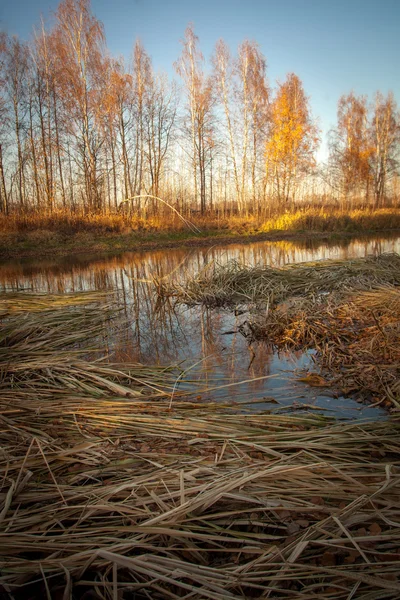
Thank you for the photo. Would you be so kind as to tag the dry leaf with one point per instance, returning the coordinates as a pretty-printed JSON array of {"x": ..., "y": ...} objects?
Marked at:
[{"x": 375, "y": 529}]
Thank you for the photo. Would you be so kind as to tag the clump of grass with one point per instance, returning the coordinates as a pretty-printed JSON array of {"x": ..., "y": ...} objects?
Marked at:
[
  {"x": 356, "y": 336},
  {"x": 45, "y": 341},
  {"x": 235, "y": 283}
]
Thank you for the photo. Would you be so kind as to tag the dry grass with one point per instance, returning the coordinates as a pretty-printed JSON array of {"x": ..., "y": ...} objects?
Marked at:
[
  {"x": 44, "y": 227},
  {"x": 107, "y": 495},
  {"x": 357, "y": 339},
  {"x": 45, "y": 341},
  {"x": 218, "y": 506},
  {"x": 333, "y": 220}
]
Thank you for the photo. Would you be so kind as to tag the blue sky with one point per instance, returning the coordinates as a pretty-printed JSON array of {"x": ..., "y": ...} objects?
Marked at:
[{"x": 334, "y": 46}]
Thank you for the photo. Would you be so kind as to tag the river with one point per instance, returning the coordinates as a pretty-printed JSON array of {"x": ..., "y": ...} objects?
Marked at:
[{"x": 204, "y": 342}]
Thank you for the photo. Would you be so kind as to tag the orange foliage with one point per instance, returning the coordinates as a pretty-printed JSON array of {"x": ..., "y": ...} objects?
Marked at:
[{"x": 293, "y": 138}]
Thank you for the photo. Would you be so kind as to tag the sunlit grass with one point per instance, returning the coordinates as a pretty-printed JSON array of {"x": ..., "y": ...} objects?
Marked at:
[
  {"x": 307, "y": 219},
  {"x": 324, "y": 220},
  {"x": 65, "y": 222}
]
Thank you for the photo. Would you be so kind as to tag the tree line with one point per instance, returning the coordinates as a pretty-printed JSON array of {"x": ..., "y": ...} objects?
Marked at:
[{"x": 81, "y": 130}]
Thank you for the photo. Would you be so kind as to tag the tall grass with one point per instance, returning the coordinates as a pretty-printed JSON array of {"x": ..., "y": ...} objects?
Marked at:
[
  {"x": 64, "y": 222},
  {"x": 359, "y": 220},
  {"x": 307, "y": 219}
]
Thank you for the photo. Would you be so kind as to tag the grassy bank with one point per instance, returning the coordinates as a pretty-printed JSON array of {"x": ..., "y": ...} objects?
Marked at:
[
  {"x": 61, "y": 233},
  {"x": 109, "y": 490},
  {"x": 348, "y": 311}
]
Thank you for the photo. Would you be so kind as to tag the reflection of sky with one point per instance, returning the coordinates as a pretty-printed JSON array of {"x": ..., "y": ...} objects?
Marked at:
[{"x": 204, "y": 342}]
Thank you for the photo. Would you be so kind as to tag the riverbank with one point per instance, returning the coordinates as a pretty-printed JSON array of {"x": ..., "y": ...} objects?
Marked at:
[
  {"x": 59, "y": 236},
  {"x": 42, "y": 245}
]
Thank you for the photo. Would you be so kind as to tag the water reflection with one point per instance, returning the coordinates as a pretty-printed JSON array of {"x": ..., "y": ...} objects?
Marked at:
[{"x": 205, "y": 342}]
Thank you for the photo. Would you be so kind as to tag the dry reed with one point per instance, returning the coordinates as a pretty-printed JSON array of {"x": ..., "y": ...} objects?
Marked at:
[
  {"x": 235, "y": 283},
  {"x": 312, "y": 219},
  {"x": 356, "y": 336},
  {"x": 111, "y": 496}
]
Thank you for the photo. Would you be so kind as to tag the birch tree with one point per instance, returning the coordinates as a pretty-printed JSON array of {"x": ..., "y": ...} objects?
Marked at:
[
  {"x": 242, "y": 89},
  {"x": 80, "y": 54},
  {"x": 385, "y": 143},
  {"x": 159, "y": 121},
  {"x": 293, "y": 139},
  {"x": 254, "y": 101},
  {"x": 199, "y": 91},
  {"x": 3, "y": 123},
  {"x": 350, "y": 147},
  {"x": 16, "y": 71},
  {"x": 141, "y": 81}
]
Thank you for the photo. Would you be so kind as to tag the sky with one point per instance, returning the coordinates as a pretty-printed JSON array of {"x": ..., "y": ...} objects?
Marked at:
[{"x": 334, "y": 46}]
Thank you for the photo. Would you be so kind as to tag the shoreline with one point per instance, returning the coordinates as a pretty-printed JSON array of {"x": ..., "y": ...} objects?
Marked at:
[{"x": 114, "y": 244}]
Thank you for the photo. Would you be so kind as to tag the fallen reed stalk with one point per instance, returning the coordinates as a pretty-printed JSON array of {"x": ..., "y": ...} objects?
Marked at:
[{"x": 112, "y": 496}]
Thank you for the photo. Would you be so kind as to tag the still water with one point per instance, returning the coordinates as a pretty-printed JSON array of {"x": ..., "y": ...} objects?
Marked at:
[{"x": 204, "y": 342}]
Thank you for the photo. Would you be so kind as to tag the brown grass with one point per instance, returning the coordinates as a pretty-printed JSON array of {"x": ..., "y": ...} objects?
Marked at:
[
  {"x": 304, "y": 219},
  {"x": 235, "y": 283},
  {"x": 357, "y": 339},
  {"x": 108, "y": 498}
]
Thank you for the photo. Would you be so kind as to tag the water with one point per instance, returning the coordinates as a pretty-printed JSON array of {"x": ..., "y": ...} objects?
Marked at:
[{"x": 206, "y": 343}]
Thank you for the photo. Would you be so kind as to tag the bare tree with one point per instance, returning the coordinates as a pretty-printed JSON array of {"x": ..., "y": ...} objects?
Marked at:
[
  {"x": 79, "y": 43},
  {"x": 199, "y": 90},
  {"x": 141, "y": 81},
  {"x": 385, "y": 141},
  {"x": 3, "y": 122},
  {"x": 16, "y": 79},
  {"x": 253, "y": 96},
  {"x": 159, "y": 121},
  {"x": 350, "y": 147},
  {"x": 223, "y": 77},
  {"x": 243, "y": 92}
]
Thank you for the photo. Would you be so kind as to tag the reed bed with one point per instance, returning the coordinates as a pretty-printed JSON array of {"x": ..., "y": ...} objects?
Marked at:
[
  {"x": 45, "y": 342},
  {"x": 192, "y": 503},
  {"x": 348, "y": 311},
  {"x": 48, "y": 226},
  {"x": 111, "y": 496}
]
